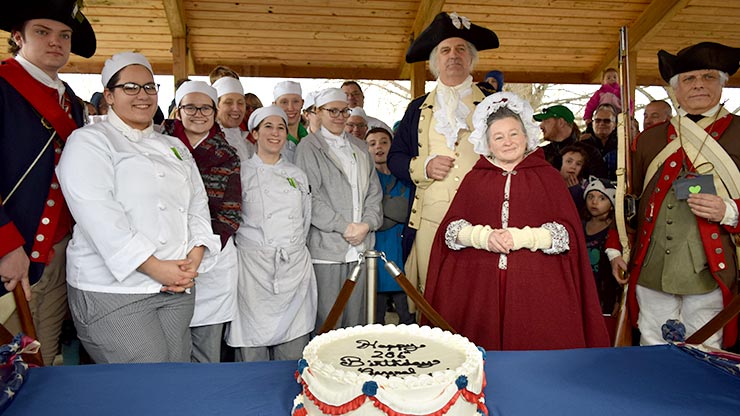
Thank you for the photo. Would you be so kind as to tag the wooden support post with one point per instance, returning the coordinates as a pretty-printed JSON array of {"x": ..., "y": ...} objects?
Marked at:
[
  {"x": 418, "y": 79},
  {"x": 179, "y": 58}
]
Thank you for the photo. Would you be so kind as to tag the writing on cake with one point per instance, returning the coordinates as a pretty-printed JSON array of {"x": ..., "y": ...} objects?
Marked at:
[{"x": 386, "y": 359}]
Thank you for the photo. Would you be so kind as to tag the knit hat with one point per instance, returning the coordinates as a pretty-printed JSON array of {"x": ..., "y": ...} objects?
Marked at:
[
  {"x": 602, "y": 185},
  {"x": 704, "y": 55},
  {"x": 558, "y": 111},
  {"x": 446, "y": 26},
  {"x": 195, "y": 86},
  {"x": 121, "y": 60},
  {"x": 329, "y": 95},
  {"x": 262, "y": 113},
  {"x": 64, "y": 11},
  {"x": 286, "y": 87},
  {"x": 228, "y": 85},
  {"x": 499, "y": 76}
]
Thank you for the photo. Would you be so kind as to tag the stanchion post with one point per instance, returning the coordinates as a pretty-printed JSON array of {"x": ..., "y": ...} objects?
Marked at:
[{"x": 371, "y": 259}]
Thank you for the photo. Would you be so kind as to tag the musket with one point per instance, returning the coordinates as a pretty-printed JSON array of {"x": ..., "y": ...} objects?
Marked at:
[{"x": 623, "y": 336}]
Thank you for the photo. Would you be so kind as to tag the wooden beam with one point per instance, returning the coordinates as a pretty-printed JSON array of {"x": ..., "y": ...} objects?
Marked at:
[
  {"x": 428, "y": 10},
  {"x": 656, "y": 15},
  {"x": 181, "y": 59}
]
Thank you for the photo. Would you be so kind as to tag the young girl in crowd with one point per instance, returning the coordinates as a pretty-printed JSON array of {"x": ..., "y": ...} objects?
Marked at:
[
  {"x": 575, "y": 161},
  {"x": 598, "y": 225},
  {"x": 609, "y": 93},
  {"x": 388, "y": 236}
]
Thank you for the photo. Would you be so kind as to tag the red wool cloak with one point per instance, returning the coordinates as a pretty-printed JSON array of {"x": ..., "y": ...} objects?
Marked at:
[{"x": 542, "y": 301}]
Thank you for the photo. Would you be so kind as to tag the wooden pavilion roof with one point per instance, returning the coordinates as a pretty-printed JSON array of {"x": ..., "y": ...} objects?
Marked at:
[{"x": 554, "y": 41}]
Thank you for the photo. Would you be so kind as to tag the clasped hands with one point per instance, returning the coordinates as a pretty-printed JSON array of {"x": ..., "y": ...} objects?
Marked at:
[
  {"x": 356, "y": 232},
  {"x": 500, "y": 241},
  {"x": 174, "y": 275}
]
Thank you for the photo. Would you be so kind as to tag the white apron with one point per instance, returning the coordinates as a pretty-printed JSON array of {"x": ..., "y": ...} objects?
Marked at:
[{"x": 215, "y": 290}]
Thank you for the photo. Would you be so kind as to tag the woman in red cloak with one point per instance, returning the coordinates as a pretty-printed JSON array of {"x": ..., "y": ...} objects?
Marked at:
[{"x": 509, "y": 268}]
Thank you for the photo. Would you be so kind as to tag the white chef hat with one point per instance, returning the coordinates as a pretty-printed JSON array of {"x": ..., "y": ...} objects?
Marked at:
[
  {"x": 310, "y": 100},
  {"x": 359, "y": 112},
  {"x": 329, "y": 95},
  {"x": 228, "y": 85},
  {"x": 262, "y": 113},
  {"x": 195, "y": 86},
  {"x": 121, "y": 60},
  {"x": 286, "y": 87}
]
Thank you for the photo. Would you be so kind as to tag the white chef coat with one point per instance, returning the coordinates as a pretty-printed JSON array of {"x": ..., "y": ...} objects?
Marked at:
[
  {"x": 133, "y": 194},
  {"x": 238, "y": 140},
  {"x": 277, "y": 285}
]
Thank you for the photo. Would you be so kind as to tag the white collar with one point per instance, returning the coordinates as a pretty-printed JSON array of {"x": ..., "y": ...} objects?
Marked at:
[
  {"x": 332, "y": 139},
  {"x": 41, "y": 76},
  {"x": 709, "y": 113},
  {"x": 134, "y": 135}
]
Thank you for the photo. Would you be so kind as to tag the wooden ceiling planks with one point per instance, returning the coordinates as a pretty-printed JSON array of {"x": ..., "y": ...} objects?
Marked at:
[{"x": 564, "y": 41}]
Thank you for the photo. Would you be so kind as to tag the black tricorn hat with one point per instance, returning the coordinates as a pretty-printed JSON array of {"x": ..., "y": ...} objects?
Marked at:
[
  {"x": 446, "y": 26},
  {"x": 64, "y": 11},
  {"x": 705, "y": 55}
]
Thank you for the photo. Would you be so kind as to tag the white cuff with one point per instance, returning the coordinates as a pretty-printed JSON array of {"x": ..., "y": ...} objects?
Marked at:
[
  {"x": 426, "y": 162},
  {"x": 612, "y": 253},
  {"x": 731, "y": 213}
]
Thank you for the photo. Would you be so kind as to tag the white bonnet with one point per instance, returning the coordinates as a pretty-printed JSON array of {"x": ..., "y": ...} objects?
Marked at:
[
  {"x": 492, "y": 103},
  {"x": 228, "y": 85},
  {"x": 195, "y": 86},
  {"x": 262, "y": 113},
  {"x": 330, "y": 95},
  {"x": 121, "y": 60},
  {"x": 286, "y": 87}
]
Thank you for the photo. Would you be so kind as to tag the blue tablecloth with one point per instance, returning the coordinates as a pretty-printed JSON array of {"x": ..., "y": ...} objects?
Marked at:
[{"x": 660, "y": 380}]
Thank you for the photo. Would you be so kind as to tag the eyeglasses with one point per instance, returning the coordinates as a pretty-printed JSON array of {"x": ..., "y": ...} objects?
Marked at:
[
  {"x": 356, "y": 125},
  {"x": 603, "y": 120},
  {"x": 191, "y": 110},
  {"x": 335, "y": 112},
  {"x": 132, "y": 88}
]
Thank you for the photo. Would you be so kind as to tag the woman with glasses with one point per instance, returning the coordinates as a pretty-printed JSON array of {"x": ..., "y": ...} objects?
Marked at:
[
  {"x": 345, "y": 197},
  {"x": 277, "y": 287},
  {"x": 219, "y": 166},
  {"x": 143, "y": 230}
]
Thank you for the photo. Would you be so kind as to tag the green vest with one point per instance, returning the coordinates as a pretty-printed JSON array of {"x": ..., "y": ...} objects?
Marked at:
[{"x": 675, "y": 261}]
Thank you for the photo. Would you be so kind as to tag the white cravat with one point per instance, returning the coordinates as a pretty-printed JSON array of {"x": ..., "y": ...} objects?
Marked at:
[{"x": 450, "y": 112}]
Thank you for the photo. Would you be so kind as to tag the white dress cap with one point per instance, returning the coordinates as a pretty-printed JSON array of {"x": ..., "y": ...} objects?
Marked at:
[
  {"x": 262, "y": 113},
  {"x": 359, "y": 112},
  {"x": 329, "y": 95},
  {"x": 228, "y": 85},
  {"x": 286, "y": 87},
  {"x": 195, "y": 86},
  {"x": 121, "y": 60}
]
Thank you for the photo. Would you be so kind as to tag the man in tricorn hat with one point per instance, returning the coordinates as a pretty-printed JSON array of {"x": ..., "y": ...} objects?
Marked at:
[
  {"x": 431, "y": 152},
  {"x": 38, "y": 112},
  {"x": 684, "y": 265}
]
